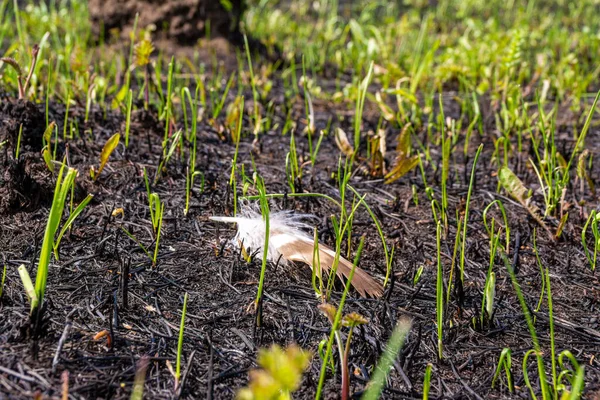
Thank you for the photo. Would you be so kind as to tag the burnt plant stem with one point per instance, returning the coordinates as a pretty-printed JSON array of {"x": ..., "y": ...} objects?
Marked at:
[{"x": 34, "y": 53}]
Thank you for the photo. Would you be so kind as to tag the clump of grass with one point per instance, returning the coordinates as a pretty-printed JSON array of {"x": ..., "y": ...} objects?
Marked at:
[
  {"x": 64, "y": 182},
  {"x": 505, "y": 362}
]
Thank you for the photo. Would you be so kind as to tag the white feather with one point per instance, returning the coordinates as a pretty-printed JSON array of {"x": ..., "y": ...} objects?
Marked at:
[
  {"x": 288, "y": 241},
  {"x": 251, "y": 230}
]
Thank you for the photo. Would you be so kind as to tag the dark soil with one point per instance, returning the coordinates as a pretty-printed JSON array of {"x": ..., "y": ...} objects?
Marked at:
[
  {"x": 103, "y": 281},
  {"x": 184, "y": 21}
]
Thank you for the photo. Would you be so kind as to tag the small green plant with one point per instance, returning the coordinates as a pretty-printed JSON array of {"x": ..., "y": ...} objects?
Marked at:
[
  {"x": 157, "y": 209},
  {"x": 64, "y": 181},
  {"x": 137, "y": 392},
  {"x": 168, "y": 110},
  {"x": 18, "y": 148},
  {"x": 129, "y": 103},
  {"x": 335, "y": 317},
  {"x": 292, "y": 167},
  {"x": 439, "y": 291},
  {"x": 2, "y": 281},
  {"x": 256, "y": 114},
  {"x": 505, "y": 362},
  {"x": 417, "y": 276},
  {"x": 466, "y": 218},
  {"x": 375, "y": 387},
  {"x": 180, "y": 341},
  {"x": 427, "y": 382},
  {"x": 350, "y": 321},
  {"x": 592, "y": 220},
  {"x": 73, "y": 214},
  {"x": 167, "y": 156},
  {"x": 280, "y": 374},
  {"x": 265, "y": 212},
  {"x": 534, "y": 338}
]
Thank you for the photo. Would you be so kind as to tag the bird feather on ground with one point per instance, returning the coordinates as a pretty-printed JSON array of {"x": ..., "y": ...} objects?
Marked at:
[{"x": 288, "y": 240}]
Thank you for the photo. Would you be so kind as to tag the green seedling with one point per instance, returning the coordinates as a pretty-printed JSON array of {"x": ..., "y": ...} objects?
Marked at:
[
  {"x": 264, "y": 208},
  {"x": 417, "y": 276},
  {"x": 439, "y": 291},
  {"x": 534, "y": 338},
  {"x": 167, "y": 156},
  {"x": 317, "y": 273},
  {"x": 466, "y": 219},
  {"x": 64, "y": 181},
  {"x": 2, "y": 281},
  {"x": 506, "y": 228},
  {"x": 351, "y": 321},
  {"x": 427, "y": 382},
  {"x": 180, "y": 342},
  {"x": 19, "y": 142},
  {"x": 128, "y": 116},
  {"x": 256, "y": 116},
  {"x": 140, "y": 378},
  {"x": 375, "y": 387},
  {"x": 167, "y": 110},
  {"x": 505, "y": 362},
  {"x": 292, "y": 168},
  {"x": 74, "y": 214},
  {"x": 592, "y": 220}
]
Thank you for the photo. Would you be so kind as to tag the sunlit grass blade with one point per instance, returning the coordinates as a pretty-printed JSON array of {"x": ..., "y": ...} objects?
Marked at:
[
  {"x": 375, "y": 387},
  {"x": 61, "y": 191},
  {"x": 180, "y": 341},
  {"x": 70, "y": 220}
]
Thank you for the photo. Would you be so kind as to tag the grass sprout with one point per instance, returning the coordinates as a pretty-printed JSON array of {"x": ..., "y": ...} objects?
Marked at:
[
  {"x": 505, "y": 362},
  {"x": 375, "y": 387},
  {"x": 64, "y": 181}
]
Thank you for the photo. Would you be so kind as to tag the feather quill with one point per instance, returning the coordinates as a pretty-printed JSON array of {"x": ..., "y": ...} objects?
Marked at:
[{"x": 288, "y": 239}]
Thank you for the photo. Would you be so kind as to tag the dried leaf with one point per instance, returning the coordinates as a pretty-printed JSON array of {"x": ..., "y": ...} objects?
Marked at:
[
  {"x": 13, "y": 63},
  {"x": 328, "y": 310},
  {"x": 401, "y": 168},
  {"x": 101, "y": 334},
  {"x": 386, "y": 111},
  {"x": 110, "y": 145},
  {"x": 403, "y": 164},
  {"x": 341, "y": 139}
]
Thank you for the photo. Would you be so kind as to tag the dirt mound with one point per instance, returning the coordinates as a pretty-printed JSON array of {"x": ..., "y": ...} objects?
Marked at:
[
  {"x": 26, "y": 182},
  {"x": 182, "y": 20},
  {"x": 13, "y": 114}
]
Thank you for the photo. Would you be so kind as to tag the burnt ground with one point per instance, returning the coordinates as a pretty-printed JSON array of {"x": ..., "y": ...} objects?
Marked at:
[{"x": 104, "y": 281}]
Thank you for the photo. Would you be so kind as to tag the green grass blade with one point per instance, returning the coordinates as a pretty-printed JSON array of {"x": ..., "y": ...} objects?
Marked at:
[{"x": 375, "y": 387}]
